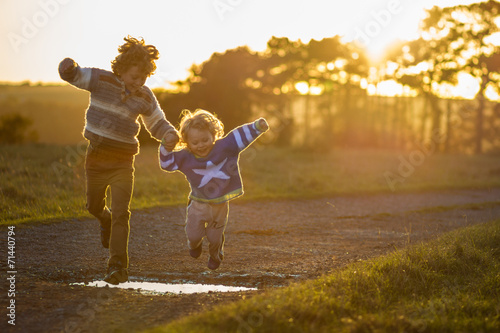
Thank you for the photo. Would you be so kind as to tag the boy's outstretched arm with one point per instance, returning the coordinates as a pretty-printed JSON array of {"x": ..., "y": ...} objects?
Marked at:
[
  {"x": 67, "y": 66},
  {"x": 70, "y": 72}
]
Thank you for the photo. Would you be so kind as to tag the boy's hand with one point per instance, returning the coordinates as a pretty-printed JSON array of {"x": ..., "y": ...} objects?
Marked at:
[
  {"x": 170, "y": 140},
  {"x": 67, "y": 65},
  {"x": 263, "y": 125}
]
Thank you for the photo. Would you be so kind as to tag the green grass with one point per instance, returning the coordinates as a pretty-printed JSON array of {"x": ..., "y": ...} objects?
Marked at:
[
  {"x": 451, "y": 284},
  {"x": 45, "y": 182}
]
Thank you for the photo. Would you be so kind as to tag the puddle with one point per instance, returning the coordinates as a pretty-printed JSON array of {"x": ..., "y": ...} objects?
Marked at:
[{"x": 163, "y": 288}]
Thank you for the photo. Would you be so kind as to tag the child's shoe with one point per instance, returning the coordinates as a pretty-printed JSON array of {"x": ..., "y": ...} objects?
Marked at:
[
  {"x": 116, "y": 274},
  {"x": 213, "y": 264},
  {"x": 105, "y": 234},
  {"x": 196, "y": 253}
]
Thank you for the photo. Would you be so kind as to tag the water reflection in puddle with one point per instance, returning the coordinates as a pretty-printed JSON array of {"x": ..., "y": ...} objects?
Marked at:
[{"x": 162, "y": 288}]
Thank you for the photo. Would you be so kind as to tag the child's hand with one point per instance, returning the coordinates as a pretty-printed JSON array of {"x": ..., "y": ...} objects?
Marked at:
[
  {"x": 263, "y": 125},
  {"x": 170, "y": 140},
  {"x": 67, "y": 65}
]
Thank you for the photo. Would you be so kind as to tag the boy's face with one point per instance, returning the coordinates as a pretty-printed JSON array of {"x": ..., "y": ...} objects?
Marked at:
[
  {"x": 133, "y": 78},
  {"x": 200, "y": 142}
]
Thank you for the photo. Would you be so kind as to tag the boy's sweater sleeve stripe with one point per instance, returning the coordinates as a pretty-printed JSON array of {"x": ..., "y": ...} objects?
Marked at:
[
  {"x": 156, "y": 124},
  {"x": 82, "y": 78},
  {"x": 167, "y": 160},
  {"x": 155, "y": 121}
]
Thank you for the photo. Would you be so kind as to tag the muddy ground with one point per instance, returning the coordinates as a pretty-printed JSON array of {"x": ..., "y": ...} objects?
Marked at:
[{"x": 268, "y": 245}]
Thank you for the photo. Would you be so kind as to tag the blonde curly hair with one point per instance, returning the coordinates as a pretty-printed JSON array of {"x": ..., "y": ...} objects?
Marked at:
[
  {"x": 135, "y": 52},
  {"x": 202, "y": 120}
]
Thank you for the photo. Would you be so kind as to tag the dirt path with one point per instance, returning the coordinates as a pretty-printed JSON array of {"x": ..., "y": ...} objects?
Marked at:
[{"x": 268, "y": 245}]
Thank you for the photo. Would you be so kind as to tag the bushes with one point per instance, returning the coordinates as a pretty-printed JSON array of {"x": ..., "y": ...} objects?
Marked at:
[{"x": 15, "y": 128}]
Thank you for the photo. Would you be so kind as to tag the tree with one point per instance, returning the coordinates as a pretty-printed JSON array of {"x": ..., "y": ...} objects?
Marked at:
[
  {"x": 454, "y": 40},
  {"x": 218, "y": 85},
  {"x": 326, "y": 67}
]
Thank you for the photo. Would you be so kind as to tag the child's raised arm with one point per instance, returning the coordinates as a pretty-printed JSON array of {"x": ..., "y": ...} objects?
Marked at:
[
  {"x": 245, "y": 134},
  {"x": 70, "y": 72},
  {"x": 67, "y": 66}
]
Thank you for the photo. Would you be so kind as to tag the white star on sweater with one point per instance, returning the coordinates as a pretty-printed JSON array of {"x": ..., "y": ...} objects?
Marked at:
[{"x": 211, "y": 171}]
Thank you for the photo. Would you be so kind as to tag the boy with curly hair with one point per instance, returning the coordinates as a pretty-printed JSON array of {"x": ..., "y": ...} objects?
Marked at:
[
  {"x": 210, "y": 163},
  {"x": 117, "y": 99}
]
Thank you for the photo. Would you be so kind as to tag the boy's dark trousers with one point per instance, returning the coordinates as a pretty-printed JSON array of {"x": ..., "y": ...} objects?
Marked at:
[{"x": 118, "y": 173}]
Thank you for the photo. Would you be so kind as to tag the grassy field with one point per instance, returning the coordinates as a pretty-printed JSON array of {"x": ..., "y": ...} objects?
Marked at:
[
  {"x": 57, "y": 112},
  {"x": 451, "y": 284},
  {"x": 46, "y": 182}
]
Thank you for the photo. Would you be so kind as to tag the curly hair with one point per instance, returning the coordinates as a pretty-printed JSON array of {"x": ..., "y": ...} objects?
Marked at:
[
  {"x": 202, "y": 120},
  {"x": 135, "y": 53}
]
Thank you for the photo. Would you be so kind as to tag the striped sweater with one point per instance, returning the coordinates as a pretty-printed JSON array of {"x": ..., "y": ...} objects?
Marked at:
[
  {"x": 215, "y": 178},
  {"x": 111, "y": 119}
]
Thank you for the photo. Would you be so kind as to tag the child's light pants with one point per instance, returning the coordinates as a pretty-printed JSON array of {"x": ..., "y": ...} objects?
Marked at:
[{"x": 210, "y": 220}]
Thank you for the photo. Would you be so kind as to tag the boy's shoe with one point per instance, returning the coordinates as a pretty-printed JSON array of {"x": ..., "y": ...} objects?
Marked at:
[
  {"x": 196, "y": 253},
  {"x": 212, "y": 264},
  {"x": 116, "y": 275},
  {"x": 105, "y": 235}
]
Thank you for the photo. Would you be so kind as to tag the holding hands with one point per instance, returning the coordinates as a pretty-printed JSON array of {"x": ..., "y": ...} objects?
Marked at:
[{"x": 170, "y": 140}]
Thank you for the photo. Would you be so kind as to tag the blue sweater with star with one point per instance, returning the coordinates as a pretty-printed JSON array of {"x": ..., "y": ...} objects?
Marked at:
[{"x": 215, "y": 178}]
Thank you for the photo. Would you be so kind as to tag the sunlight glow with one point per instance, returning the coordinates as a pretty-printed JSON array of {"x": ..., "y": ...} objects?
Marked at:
[
  {"x": 389, "y": 88},
  {"x": 305, "y": 89},
  {"x": 302, "y": 87},
  {"x": 372, "y": 89},
  {"x": 340, "y": 63},
  {"x": 491, "y": 94},
  {"x": 467, "y": 87},
  {"x": 419, "y": 68},
  {"x": 493, "y": 39},
  {"x": 316, "y": 90},
  {"x": 364, "y": 83}
]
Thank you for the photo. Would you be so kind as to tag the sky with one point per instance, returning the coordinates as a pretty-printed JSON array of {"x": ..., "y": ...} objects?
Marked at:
[{"x": 38, "y": 34}]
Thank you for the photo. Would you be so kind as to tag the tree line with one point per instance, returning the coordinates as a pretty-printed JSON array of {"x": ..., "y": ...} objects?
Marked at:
[{"x": 326, "y": 93}]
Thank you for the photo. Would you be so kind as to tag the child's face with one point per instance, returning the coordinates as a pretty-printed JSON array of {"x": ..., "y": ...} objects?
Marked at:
[
  {"x": 200, "y": 141},
  {"x": 133, "y": 78}
]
